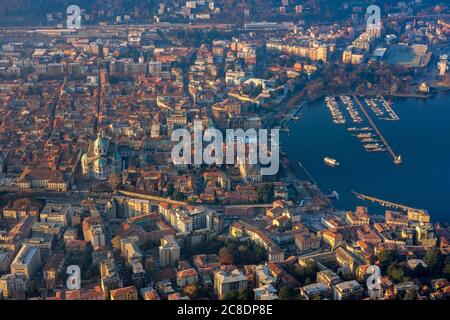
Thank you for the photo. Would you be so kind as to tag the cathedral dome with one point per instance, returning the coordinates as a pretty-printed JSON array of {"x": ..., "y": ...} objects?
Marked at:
[
  {"x": 100, "y": 163},
  {"x": 117, "y": 157},
  {"x": 100, "y": 145}
]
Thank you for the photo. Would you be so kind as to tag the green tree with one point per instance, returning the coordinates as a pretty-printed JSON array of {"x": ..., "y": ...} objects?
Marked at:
[
  {"x": 231, "y": 295},
  {"x": 387, "y": 258},
  {"x": 265, "y": 193},
  {"x": 83, "y": 260},
  {"x": 170, "y": 189},
  {"x": 178, "y": 195},
  {"x": 446, "y": 268},
  {"x": 246, "y": 295},
  {"x": 303, "y": 274},
  {"x": 287, "y": 293},
  {"x": 260, "y": 253},
  {"x": 396, "y": 273},
  {"x": 434, "y": 260}
]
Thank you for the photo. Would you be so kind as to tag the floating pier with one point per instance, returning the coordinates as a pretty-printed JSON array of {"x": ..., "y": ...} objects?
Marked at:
[
  {"x": 389, "y": 109},
  {"x": 396, "y": 158}
]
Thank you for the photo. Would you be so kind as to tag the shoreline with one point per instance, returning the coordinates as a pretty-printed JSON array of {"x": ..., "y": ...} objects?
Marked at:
[
  {"x": 316, "y": 99},
  {"x": 290, "y": 106}
]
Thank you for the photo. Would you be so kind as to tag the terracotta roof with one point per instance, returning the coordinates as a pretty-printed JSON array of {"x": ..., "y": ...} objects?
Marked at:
[
  {"x": 50, "y": 175},
  {"x": 191, "y": 272},
  {"x": 151, "y": 295},
  {"x": 125, "y": 290}
]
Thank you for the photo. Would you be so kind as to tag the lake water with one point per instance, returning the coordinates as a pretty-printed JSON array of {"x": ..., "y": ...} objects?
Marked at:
[{"x": 421, "y": 136}]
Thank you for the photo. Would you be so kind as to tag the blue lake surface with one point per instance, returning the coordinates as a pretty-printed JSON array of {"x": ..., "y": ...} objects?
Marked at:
[{"x": 421, "y": 137}]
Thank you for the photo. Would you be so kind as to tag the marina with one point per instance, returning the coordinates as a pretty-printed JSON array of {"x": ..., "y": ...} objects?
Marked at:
[
  {"x": 372, "y": 172},
  {"x": 370, "y": 137},
  {"x": 367, "y": 135},
  {"x": 359, "y": 129},
  {"x": 354, "y": 114},
  {"x": 336, "y": 114},
  {"x": 381, "y": 108},
  {"x": 390, "y": 111},
  {"x": 395, "y": 157}
]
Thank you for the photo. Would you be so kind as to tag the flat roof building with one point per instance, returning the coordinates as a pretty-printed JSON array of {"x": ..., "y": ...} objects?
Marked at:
[{"x": 27, "y": 262}]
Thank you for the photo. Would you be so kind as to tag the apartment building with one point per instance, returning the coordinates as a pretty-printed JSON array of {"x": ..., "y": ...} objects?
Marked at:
[
  {"x": 169, "y": 251},
  {"x": 26, "y": 262},
  {"x": 349, "y": 290},
  {"x": 328, "y": 278},
  {"x": 358, "y": 218},
  {"x": 225, "y": 282},
  {"x": 307, "y": 241},
  {"x": 127, "y": 293}
]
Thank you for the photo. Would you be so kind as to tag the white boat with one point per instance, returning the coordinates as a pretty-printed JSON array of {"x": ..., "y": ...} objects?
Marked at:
[{"x": 331, "y": 162}]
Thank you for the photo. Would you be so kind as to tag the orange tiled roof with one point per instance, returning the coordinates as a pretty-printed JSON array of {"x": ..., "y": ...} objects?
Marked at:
[{"x": 191, "y": 272}]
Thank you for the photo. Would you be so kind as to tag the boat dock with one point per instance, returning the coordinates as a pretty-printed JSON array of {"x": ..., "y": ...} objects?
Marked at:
[
  {"x": 389, "y": 109},
  {"x": 291, "y": 115},
  {"x": 333, "y": 195},
  {"x": 354, "y": 114},
  {"x": 307, "y": 173},
  {"x": 384, "y": 203},
  {"x": 397, "y": 158},
  {"x": 336, "y": 113}
]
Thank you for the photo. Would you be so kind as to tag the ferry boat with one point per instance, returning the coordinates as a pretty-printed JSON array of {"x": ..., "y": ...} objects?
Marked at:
[{"x": 331, "y": 162}]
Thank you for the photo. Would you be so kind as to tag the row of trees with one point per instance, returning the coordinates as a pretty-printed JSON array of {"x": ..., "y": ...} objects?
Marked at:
[
  {"x": 230, "y": 251},
  {"x": 239, "y": 295},
  {"x": 303, "y": 274},
  {"x": 335, "y": 79},
  {"x": 438, "y": 266},
  {"x": 265, "y": 193},
  {"x": 242, "y": 252}
]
